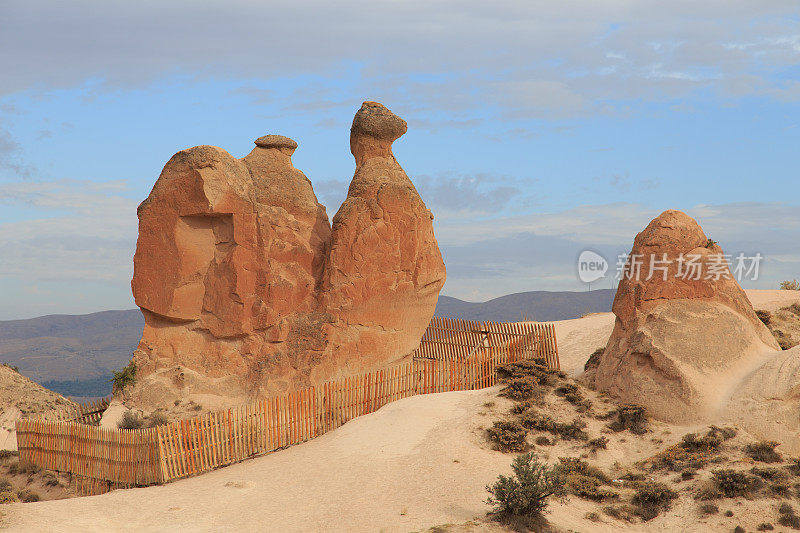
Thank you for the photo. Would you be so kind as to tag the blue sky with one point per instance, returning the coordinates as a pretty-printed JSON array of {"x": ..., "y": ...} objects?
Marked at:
[{"x": 536, "y": 129}]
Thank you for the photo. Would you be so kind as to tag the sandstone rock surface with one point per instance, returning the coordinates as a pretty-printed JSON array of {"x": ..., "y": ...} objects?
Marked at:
[
  {"x": 684, "y": 328},
  {"x": 245, "y": 287}
]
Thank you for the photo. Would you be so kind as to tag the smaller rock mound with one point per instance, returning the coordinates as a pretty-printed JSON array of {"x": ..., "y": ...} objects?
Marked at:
[{"x": 685, "y": 332}]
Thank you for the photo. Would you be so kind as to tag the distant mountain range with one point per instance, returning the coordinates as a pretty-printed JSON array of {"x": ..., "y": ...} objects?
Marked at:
[
  {"x": 72, "y": 354},
  {"x": 76, "y": 354},
  {"x": 542, "y": 306}
]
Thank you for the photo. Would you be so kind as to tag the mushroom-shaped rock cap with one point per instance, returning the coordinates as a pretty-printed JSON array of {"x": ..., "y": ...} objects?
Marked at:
[
  {"x": 375, "y": 120},
  {"x": 276, "y": 141}
]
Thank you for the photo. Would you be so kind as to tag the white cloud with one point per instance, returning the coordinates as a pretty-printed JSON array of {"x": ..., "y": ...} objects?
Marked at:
[{"x": 538, "y": 58}]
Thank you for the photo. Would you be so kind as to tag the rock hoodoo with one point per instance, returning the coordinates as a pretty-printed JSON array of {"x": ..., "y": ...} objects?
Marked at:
[
  {"x": 245, "y": 287},
  {"x": 684, "y": 327}
]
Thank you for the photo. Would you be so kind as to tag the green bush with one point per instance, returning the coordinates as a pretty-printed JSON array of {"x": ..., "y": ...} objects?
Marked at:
[
  {"x": 525, "y": 493},
  {"x": 508, "y": 436},
  {"x": 124, "y": 378},
  {"x": 651, "y": 498},
  {"x": 764, "y": 451}
]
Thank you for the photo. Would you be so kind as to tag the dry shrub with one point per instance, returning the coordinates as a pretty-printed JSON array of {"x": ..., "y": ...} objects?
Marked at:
[
  {"x": 508, "y": 436},
  {"x": 594, "y": 359},
  {"x": 788, "y": 517},
  {"x": 584, "y": 480},
  {"x": 157, "y": 419},
  {"x": 520, "y": 389},
  {"x": 17, "y": 467},
  {"x": 620, "y": 512},
  {"x": 536, "y": 369},
  {"x": 734, "y": 483},
  {"x": 7, "y": 454},
  {"x": 764, "y": 316},
  {"x": 764, "y": 526},
  {"x": 541, "y": 422},
  {"x": 764, "y": 451},
  {"x": 630, "y": 417},
  {"x": 598, "y": 443},
  {"x": 130, "y": 420},
  {"x": 790, "y": 285},
  {"x": 8, "y": 496},
  {"x": 28, "y": 496},
  {"x": 693, "y": 452},
  {"x": 709, "y": 508},
  {"x": 651, "y": 498}
]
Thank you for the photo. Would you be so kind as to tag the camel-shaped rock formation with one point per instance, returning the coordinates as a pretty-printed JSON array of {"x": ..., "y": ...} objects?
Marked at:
[{"x": 248, "y": 290}]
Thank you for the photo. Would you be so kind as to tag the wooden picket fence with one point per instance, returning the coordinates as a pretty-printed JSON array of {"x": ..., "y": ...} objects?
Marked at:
[
  {"x": 102, "y": 459},
  {"x": 453, "y": 338},
  {"x": 84, "y": 413}
]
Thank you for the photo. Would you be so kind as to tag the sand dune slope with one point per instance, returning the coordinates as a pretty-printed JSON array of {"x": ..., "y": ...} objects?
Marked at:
[{"x": 413, "y": 464}]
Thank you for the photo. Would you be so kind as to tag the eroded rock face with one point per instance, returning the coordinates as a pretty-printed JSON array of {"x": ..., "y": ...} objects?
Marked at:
[
  {"x": 679, "y": 336},
  {"x": 247, "y": 290}
]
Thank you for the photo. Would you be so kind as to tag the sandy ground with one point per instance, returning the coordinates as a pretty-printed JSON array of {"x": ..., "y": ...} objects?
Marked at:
[{"x": 414, "y": 464}]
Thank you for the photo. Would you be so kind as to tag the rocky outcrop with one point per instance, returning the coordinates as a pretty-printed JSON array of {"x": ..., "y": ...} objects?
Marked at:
[
  {"x": 684, "y": 328},
  {"x": 245, "y": 287}
]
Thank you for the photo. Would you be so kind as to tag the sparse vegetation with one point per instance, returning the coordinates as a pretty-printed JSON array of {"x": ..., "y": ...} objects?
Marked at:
[
  {"x": 651, "y": 498},
  {"x": 734, "y": 483},
  {"x": 8, "y": 496},
  {"x": 594, "y": 359},
  {"x": 792, "y": 285},
  {"x": 709, "y": 508},
  {"x": 710, "y": 243},
  {"x": 525, "y": 493},
  {"x": 520, "y": 389},
  {"x": 693, "y": 452},
  {"x": 765, "y": 526},
  {"x": 584, "y": 480},
  {"x": 788, "y": 517},
  {"x": 130, "y": 420},
  {"x": 764, "y": 316},
  {"x": 598, "y": 443},
  {"x": 764, "y": 451},
  {"x": 5, "y": 454},
  {"x": 541, "y": 422},
  {"x": 630, "y": 417},
  {"x": 157, "y": 419},
  {"x": 28, "y": 496},
  {"x": 124, "y": 378},
  {"x": 508, "y": 436}
]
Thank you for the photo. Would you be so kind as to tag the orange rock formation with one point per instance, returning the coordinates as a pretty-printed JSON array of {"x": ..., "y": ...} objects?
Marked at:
[
  {"x": 684, "y": 327},
  {"x": 245, "y": 287}
]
